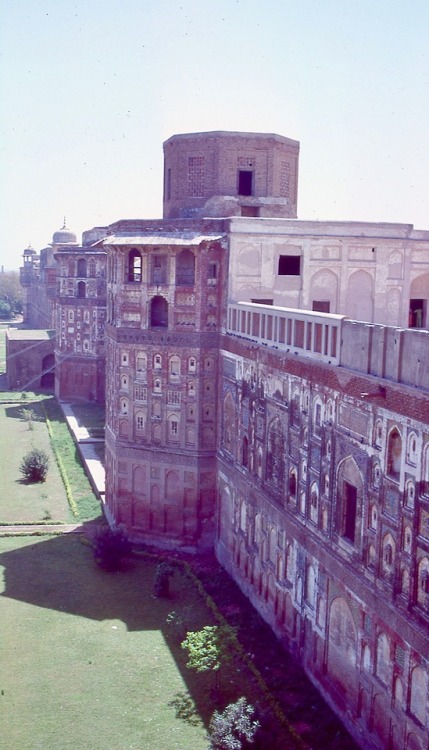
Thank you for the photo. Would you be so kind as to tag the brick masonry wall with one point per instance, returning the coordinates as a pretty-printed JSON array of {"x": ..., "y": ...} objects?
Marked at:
[{"x": 347, "y": 608}]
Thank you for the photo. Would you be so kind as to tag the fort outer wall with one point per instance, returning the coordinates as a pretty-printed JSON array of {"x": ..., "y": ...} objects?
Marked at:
[
  {"x": 397, "y": 354},
  {"x": 323, "y": 517}
]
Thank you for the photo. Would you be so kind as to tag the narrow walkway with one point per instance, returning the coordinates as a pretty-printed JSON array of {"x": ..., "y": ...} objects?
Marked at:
[{"x": 86, "y": 446}]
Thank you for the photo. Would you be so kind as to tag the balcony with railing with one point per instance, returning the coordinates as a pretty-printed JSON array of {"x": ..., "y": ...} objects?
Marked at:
[{"x": 312, "y": 334}]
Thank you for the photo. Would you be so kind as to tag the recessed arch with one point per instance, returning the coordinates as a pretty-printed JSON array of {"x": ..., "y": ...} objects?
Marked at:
[
  {"x": 324, "y": 288},
  {"x": 81, "y": 289},
  {"x": 275, "y": 460},
  {"x": 229, "y": 430},
  {"x": 394, "y": 453},
  {"x": 185, "y": 268},
  {"x": 342, "y": 646},
  {"x": 158, "y": 312},
  {"x": 360, "y": 296},
  {"x": 349, "y": 499}
]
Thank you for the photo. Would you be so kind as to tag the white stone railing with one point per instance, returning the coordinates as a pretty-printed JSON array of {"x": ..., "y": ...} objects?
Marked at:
[{"x": 311, "y": 334}]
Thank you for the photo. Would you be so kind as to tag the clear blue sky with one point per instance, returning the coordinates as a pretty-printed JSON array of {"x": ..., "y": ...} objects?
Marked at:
[{"x": 90, "y": 89}]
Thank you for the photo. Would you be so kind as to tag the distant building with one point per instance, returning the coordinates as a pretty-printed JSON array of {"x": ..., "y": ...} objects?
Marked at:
[
  {"x": 65, "y": 289},
  {"x": 80, "y": 313},
  {"x": 30, "y": 359}
]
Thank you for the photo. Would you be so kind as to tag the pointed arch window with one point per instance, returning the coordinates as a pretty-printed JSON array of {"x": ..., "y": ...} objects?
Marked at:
[
  {"x": 174, "y": 369},
  {"x": 275, "y": 453},
  {"x": 134, "y": 271},
  {"x": 140, "y": 421},
  {"x": 141, "y": 362},
  {"x": 245, "y": 452},
  {"x": 423, "y": 582},
  {"x": 292, "y": 483},
  {"x": 425, "y": 483},
  {"x": 394, "y": 453},
  {"x": 412, "y": 449},
  {"x": 81, "y": 289}
]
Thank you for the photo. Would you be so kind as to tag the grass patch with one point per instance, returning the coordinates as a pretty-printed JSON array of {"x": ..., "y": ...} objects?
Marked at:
[{"x": 21, "y": 502}]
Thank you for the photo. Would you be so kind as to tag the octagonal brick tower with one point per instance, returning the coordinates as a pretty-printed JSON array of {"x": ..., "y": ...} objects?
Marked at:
[{"x": 222, "y": 174}]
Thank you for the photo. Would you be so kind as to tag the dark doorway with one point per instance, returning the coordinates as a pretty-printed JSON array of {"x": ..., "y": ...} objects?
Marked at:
[
  {"x": 48, "y": 372},
  {"x": 417, "y": 314},
  {"x": 159, "y": 312},
  {"x": 349, "y": 512},
  {"x": 245, "y": 182}
]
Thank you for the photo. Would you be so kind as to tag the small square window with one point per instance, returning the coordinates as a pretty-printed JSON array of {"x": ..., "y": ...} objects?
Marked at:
[{"x": 289, "y": 265}]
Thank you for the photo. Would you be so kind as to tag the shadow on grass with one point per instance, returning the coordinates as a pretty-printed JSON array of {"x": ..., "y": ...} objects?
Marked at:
[
  {"x": 59, "y": 573},
  {"x": 16, "y": 411},
  {"x": 185, "y": 709}
]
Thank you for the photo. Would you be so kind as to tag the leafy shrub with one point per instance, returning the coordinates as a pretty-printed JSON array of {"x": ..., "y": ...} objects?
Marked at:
[
  {"x": 161, "y": 586},
  {"x": 34, "y": 465},
  {"x": 110, "y": 547},
  {"x": 233, "y": 728}
]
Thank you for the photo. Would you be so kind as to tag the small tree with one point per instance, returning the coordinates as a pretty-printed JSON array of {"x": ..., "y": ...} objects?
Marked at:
[
  {"x": 110, "y": 547},
  {"x": 29, "y": 416},
  {"x": 207, "y": 649},
  {"x": 34, "y": 465},
  {"x": 233, "y": 728}
]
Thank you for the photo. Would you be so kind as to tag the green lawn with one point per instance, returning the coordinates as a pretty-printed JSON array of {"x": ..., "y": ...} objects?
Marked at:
[
  {"x": 86, "y": 658},
  {"x": 21, "y": 502}
]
